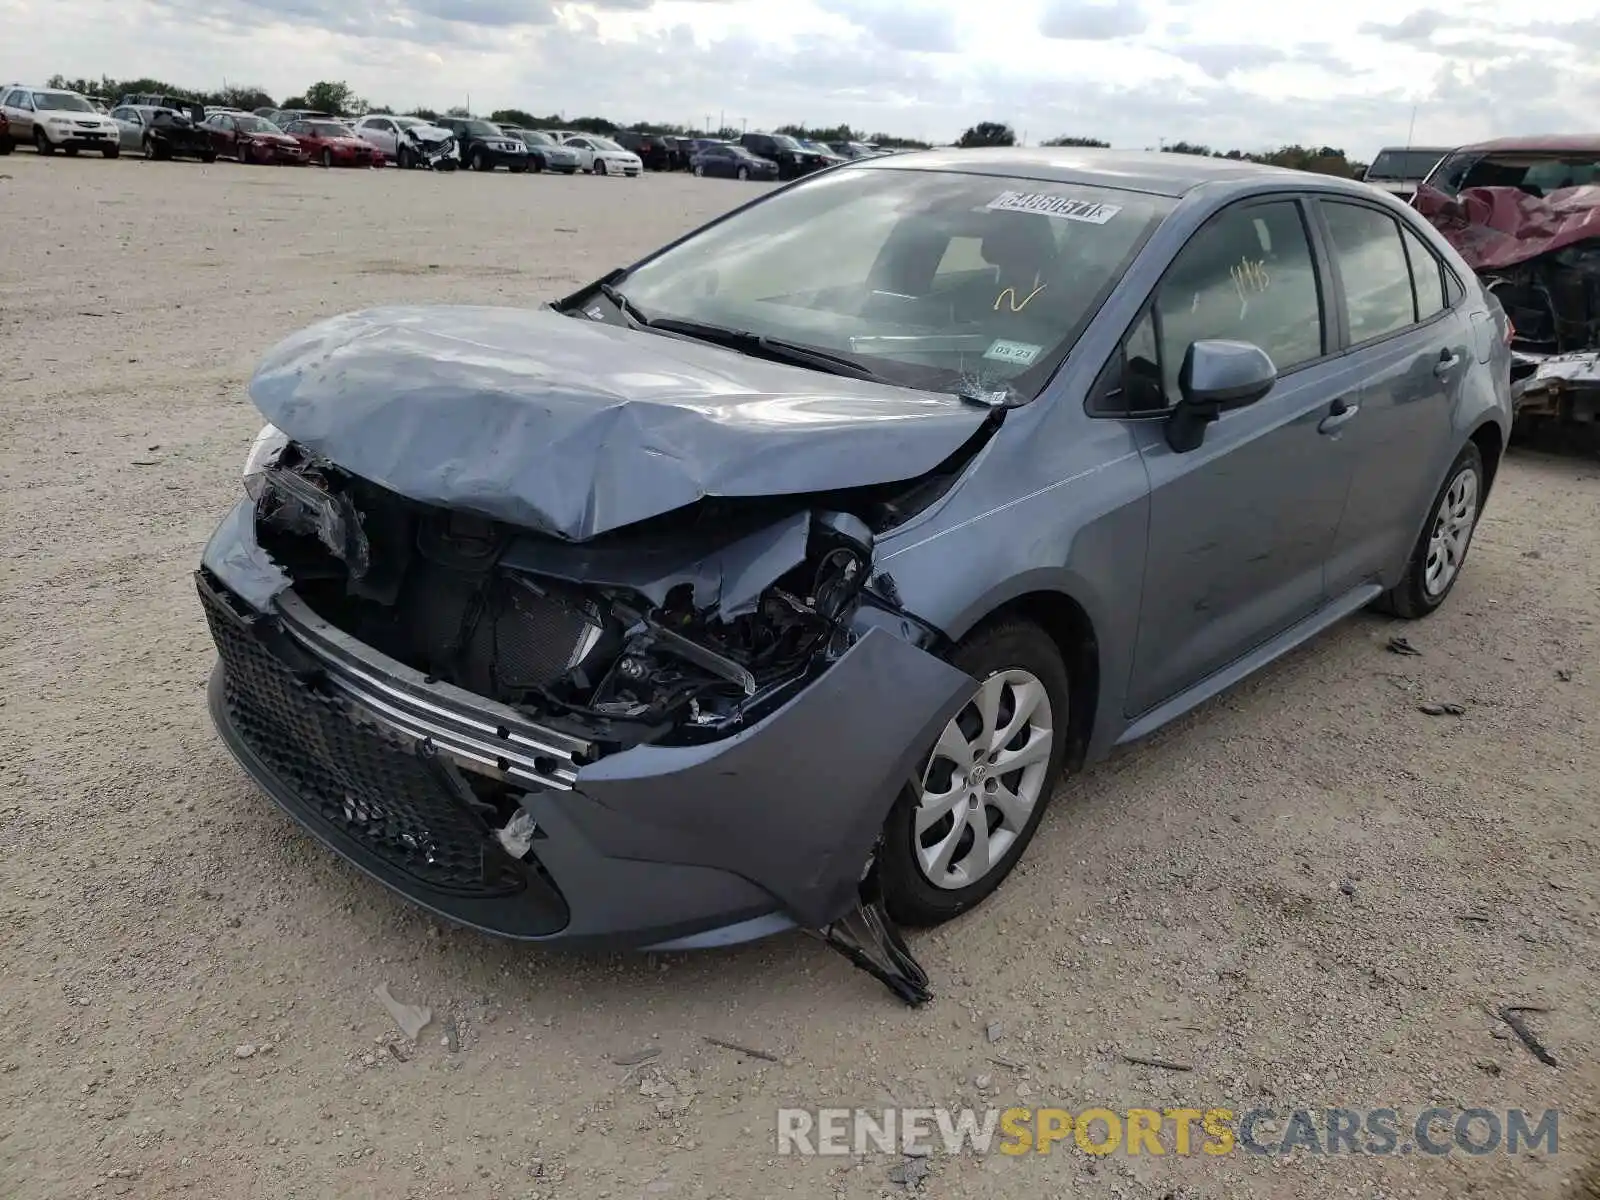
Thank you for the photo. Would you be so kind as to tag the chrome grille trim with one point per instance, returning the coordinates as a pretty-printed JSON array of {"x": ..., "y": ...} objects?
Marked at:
[{"x": 479, "y": 734}]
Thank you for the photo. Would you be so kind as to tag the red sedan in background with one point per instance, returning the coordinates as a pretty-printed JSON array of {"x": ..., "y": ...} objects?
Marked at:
[
  {"x": 250, "y": 139},
  {"x": 333, "y": 144}
]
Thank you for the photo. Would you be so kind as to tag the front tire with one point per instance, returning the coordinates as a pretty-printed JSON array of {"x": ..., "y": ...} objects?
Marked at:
[
  {"x": 952, "y": 838},
  {"x": 1441, "y": 550},
  {"x": 241, "y": 153},
  {"x": 699, "y": 171},
  {"x": 6, "y": 146},
  {"x": 744, "y": 172},
  {"x": 600, "y": 166},
  {"x": 327, "y": 160},
  {"x": 479, "y": 163},
  {"x": 42, "y": 142}
]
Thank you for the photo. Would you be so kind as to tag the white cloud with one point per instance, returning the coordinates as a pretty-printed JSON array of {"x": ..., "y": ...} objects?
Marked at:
[{"x": 1224, "y": 72}]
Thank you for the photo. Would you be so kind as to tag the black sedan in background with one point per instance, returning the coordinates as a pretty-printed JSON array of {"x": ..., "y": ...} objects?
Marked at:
[
  {"x": 654, "y": 151},
  {"x": 485, "y": 146},
  {"x": 793, "y": 159},
  {"x": 732, "y": 162}
]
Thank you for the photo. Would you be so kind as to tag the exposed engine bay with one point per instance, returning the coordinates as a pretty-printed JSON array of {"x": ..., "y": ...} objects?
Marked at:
[{"x": 680, "y": 629}]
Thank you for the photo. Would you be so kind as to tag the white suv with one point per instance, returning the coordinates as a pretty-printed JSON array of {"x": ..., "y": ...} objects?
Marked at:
[{"x": 53, "y": 119}]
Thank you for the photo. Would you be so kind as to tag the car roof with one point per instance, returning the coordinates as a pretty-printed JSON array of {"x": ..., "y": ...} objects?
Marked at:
[
  {"x": 1148, "y": 171},
  {"x": 1583, "y": 143}
]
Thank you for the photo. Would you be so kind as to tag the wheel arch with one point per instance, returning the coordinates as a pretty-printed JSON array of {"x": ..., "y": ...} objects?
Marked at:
[
  {"x": 1068, "y": 623},
  {"x": 1491, "y": 443}
]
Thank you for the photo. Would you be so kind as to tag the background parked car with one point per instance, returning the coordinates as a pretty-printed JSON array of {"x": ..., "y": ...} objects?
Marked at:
[
  {"x": 483, "y": 145},
  {"x": 792, "y": 158},
  {"x": 733, "y": 162},
  {"x": 250, "y": 139},
  {"x": 1399, "y": 169},
  {"x": 284, "y": 116},
  {"x": 54, "y": 119},
  {"x": 333, "y": 144},
  {"x": 162, "y": 133},
  {"x": 651, "y": 148},
  {"x": 830, "y": 157},
  {"x": 195, "y": 111},
  {"x": 544, "y": 152},
  {"x": 854, "y": 150},
  {"x": 603, "y": 156},
  {"x": 410, "y": 141}
]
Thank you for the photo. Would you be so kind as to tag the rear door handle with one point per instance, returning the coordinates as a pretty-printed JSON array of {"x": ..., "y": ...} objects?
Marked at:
[
  {"x": 1449, "y": 360},
  {"x": 1339, "y": 412}
]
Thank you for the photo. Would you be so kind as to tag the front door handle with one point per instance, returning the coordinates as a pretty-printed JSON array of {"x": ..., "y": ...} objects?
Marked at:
[
  {"x": 1339, "y": 412},
  {"x": 1449, "y": 360}
]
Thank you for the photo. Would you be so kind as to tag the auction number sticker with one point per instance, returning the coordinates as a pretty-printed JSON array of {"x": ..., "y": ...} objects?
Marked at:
[
  {"x": 1020, "y": 353},
  {"x": 1090, "y": 211}
]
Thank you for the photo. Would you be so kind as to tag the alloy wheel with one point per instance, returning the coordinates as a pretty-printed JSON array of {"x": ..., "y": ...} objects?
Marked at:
[
  {"x": 1452, "y": 531},
  {"x": 984, "y": 779}
]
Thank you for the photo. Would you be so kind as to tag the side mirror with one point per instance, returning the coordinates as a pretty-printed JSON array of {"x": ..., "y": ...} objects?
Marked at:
[{"x": 1216, "y": 377}]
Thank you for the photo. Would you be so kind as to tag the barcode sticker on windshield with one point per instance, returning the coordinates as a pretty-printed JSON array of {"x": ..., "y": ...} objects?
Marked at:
[
  {"x": 1020, "y": 353},
  {"x": 1089, "y": 211}
]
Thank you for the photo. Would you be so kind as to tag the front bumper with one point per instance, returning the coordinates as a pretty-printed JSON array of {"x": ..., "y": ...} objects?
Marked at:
[
  {"x": 502, "y": 158},
  {"x": 82, "y": 139},
  {"x": 651, "y": 846}
]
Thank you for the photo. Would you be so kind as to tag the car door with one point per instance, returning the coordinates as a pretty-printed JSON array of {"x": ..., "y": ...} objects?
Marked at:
[
  {"x": 1242, "y": 525},
  {"x": 130, "y": 128},
  {"x": 19, "y": 110},
  {"x": 1413, "y": 349}
]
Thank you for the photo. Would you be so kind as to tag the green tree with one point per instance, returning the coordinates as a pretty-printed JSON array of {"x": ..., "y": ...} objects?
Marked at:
[
  {"x": 1064, "y": 140},
  {"x": 333, "y": 97},
  {"x": 512, "y": 116},
  {"x": 988, "y": 133},
  {"x": 458, "y": 111}
]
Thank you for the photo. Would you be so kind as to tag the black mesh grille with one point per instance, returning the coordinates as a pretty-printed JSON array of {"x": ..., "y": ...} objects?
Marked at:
[
  {"x": 355, "y": 777},
  {"x": 535, "y": 637}
]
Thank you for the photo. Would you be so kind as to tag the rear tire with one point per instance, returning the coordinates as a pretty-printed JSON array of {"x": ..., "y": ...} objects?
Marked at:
[
  {"x": 1440, "y": 554},
  {"x": 42, "y": 142},
  {"x": 1016, "y": 664}
]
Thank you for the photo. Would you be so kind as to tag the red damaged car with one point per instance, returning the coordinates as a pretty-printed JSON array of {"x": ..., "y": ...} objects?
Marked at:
[
  {"x": 250, "y": 139},
  {"x": 1525, "y": 214},
  {"x": 333, "y": 144}
]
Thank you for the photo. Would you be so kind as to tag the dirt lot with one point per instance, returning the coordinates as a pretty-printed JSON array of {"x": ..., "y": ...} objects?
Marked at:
[{"x": 1308, "y": 891}]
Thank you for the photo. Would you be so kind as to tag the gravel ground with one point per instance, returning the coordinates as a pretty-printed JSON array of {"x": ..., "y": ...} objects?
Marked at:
[{"x": 1308, "y": 891}]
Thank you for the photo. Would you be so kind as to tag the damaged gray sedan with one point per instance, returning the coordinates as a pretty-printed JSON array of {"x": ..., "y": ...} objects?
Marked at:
[{"x": 772, "y": 582}]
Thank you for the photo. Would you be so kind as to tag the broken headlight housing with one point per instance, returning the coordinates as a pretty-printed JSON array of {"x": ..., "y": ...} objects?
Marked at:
[{"x": 264, "y": 451}]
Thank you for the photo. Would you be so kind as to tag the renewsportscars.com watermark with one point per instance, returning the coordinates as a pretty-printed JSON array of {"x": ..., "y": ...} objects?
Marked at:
[{"x": 1180, "y": 1131}]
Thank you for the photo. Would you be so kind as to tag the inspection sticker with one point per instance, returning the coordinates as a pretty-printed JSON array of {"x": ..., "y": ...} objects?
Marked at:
[
  {"x": 1055, "y": 206},
  {"x": 1020, "y": 353}
]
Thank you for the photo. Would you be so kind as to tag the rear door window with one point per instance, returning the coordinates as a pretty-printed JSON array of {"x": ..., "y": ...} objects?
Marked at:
[
  {"x": 1427, "y": 275},
  {"x": 1372, "y": 263}
]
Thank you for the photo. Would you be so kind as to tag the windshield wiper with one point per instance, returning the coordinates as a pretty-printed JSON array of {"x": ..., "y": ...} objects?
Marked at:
[
  {"x": 760, "y": 345},
  {"x": 628, "y": 308}
]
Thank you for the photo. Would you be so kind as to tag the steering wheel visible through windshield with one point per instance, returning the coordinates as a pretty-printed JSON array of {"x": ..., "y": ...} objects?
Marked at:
[{"x": 939, "y": 280}]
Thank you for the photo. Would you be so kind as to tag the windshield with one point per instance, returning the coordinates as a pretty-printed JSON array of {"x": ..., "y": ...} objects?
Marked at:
[
  {"x": 537, "y": 139},
  {"x": 601, "y": 143},
  {"x": 481, "y": 129},
  {"x": 784, "y": 140},
  {"x": 326, "y": 129},
  {"x": 59, "y": 102},
  {"x": 1404, "y": 164},
  {"x": 256, "y": 125},
  {"x": 1536, "y": 172},
  {"x": 932, "y": 279},
  {"x": 408, "y": 122}
]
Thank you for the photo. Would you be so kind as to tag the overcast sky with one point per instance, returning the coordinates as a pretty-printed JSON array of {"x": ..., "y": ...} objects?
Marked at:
[{"x": 1229, "y": 73}]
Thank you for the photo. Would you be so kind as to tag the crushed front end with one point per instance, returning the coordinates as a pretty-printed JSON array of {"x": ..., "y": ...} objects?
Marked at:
[{"x": 687, "y": 732}]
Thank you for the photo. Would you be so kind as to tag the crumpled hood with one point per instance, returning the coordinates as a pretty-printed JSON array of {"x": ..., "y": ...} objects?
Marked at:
[
  {"x": 1497, "y": 227},
  {"x": 573, "y": 427}
]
